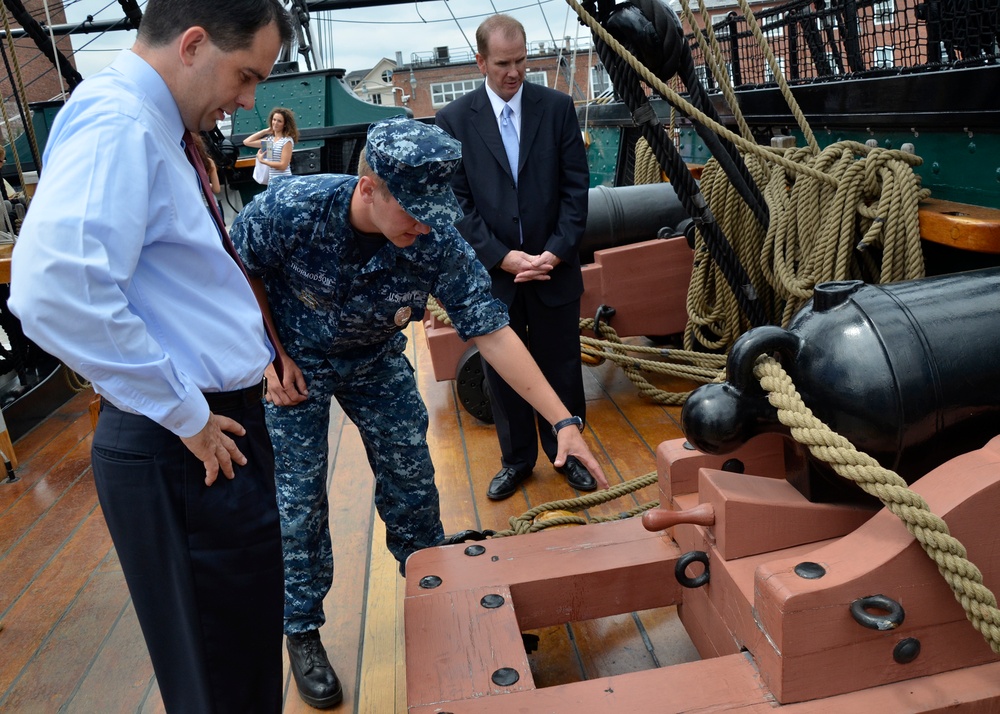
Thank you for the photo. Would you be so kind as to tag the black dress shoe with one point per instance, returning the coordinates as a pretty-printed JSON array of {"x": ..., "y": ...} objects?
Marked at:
[
  {"x": 505, "y": 483},
  {"x": 577, "y": 475},
  {"x": 314, "y": 676}
]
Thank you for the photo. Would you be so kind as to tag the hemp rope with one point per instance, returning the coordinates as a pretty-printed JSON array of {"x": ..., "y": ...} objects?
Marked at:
[
  {"x": 19, "y": 88},
  {"x": 525, "y": 523},
  {"x": 700, "y": 367},
  {"x": 713, "y": 57},
  {"x": 819, "y": 203},
  {"x": 964, "y": 578},
  {"x": 818, "y": 206},
  {"x": 647, "y": 169}
]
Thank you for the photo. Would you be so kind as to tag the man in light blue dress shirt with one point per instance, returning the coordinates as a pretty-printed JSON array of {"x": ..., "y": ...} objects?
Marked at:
[{"x": 120, "y": 271}]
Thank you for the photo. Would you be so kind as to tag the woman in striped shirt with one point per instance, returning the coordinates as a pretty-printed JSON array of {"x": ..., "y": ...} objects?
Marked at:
[{"x": 275, "y": 143}]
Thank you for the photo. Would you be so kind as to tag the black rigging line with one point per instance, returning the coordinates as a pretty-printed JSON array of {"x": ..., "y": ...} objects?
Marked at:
[{"x": 42, "y": 41}]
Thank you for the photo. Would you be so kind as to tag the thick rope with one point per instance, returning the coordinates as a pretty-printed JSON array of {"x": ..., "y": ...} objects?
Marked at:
[
  {"x": 694, "y": 366},
  {"x": 779, "y": 76},
  {"x": 685, "y": 187},
  {"x": 674, "y": 98},
  {"x": 713, "y": 56},
  {"x": 19, "y": 88},
  {"x": 700, "y": 367},
  {"x": 525, "y": 523},
  {"x": 964, "y": 578},
  {"x": 647, "y": 168},
  {"x": 849, "y": 211}
]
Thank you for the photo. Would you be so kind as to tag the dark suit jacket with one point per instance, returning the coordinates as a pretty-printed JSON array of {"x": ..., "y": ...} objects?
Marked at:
[{"x": 550, "y": 200}]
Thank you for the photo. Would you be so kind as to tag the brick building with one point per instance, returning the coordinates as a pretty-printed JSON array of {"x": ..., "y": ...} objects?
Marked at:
[
  {"x": 38, "y": 74},
  {"x": 432, "y": 79}
]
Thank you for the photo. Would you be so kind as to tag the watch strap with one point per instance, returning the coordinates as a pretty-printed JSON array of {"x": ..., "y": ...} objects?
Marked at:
[{"x": 569, "y": 421}]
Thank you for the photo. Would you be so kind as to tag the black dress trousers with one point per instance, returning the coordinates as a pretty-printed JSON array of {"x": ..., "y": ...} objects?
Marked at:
[{"x": 203, "y": 564}]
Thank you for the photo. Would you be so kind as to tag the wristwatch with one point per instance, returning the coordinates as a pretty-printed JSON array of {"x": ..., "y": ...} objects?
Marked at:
[{"x": 573, "y": 420}]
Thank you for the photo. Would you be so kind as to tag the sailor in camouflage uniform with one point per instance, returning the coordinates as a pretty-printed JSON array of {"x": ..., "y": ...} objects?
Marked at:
[{"x": 346, "y": 263}]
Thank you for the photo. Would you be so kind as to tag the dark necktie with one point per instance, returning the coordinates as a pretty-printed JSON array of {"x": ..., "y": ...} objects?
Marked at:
[{"x": 213, "y": 207}]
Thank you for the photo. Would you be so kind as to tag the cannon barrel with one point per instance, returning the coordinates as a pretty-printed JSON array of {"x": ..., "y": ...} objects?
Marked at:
[
  {"x": 908, "y": 372},
  {"x": 629, "y": 214}
]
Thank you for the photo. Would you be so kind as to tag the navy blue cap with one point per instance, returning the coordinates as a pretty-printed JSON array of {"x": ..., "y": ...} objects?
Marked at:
[{"x": 416, "y": 161}]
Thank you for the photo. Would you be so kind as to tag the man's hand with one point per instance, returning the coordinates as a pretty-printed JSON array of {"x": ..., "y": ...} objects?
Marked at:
[
  {"x": 525, "y": 267},
  {"x": 215, "y": 449},
  {"x": 571, "y": 443},
  {"x": 289, "y": 391}
]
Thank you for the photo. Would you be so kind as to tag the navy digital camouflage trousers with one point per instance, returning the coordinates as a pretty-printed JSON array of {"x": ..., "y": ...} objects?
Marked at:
[{"x": 380, "y": 396}]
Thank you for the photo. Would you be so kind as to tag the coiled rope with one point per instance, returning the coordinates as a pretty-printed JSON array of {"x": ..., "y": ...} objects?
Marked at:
[
  {"x": 849, "y": 211},
  {"x": 526, "y": 523}
]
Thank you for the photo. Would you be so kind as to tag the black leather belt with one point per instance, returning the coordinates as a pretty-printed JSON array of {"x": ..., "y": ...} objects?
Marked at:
[
  {"x": 222, "y": 401},
  {"x": 238, "y": 399}
]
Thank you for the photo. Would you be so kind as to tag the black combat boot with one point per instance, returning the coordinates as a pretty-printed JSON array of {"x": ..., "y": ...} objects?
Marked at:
[{"x": 314, "y": 676}]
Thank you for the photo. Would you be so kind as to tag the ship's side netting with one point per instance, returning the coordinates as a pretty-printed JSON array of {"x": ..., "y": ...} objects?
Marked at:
[{"x": 827, "y": 40}]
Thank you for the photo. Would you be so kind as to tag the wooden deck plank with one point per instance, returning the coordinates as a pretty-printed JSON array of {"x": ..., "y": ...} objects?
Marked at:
[
  {"x": 610, "y": 646},
  {"x": 40, "y": 609},
  {"x": 103, "y": 688},
  {"x": 377, "y": 685},
  {"x": 557, "y": 660},
  {"x": 48, "y": 682},
  {"x": 39, "y": 453},
  {"x": 351, "y": 520}
]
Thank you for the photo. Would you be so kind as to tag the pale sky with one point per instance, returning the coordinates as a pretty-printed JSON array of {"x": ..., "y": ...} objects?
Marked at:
[{"x": 361, "y": 37}]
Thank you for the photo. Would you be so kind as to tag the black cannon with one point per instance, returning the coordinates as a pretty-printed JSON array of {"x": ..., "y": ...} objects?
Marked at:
[
  {"x": 909, "y": 372},
  {"x": 629, "y": 214}
]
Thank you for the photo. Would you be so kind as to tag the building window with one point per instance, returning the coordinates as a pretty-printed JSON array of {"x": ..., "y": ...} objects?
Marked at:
[
  {"x": 769, "y": 75},
  {"x": 701, "y": 72},
  {"x": 444, "y": 92},
  {"x": 884, "y": 11},
  {"x": 774, "y": 26},
  {"x": 600, "y": 82},
  {"x": 387, "y": 76},
  {"x": 537, "y": 78},
  {"x": 375, "y": 99},
  {"x": 884, "y": 58}
]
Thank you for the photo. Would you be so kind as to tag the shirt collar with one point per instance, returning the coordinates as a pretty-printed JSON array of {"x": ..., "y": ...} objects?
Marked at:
[
  {"x": 135, "y": 68},
  {"x": 497, "y": 103}
]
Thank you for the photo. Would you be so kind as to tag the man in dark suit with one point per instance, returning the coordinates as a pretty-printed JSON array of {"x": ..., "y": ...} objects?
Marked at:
[{"x": 525, "y": 224}]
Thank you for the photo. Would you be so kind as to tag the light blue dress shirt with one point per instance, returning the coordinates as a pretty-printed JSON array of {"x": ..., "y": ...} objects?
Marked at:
[
  {"x": 120, "y": 271},
  {"x": 498, "y": 104}
]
